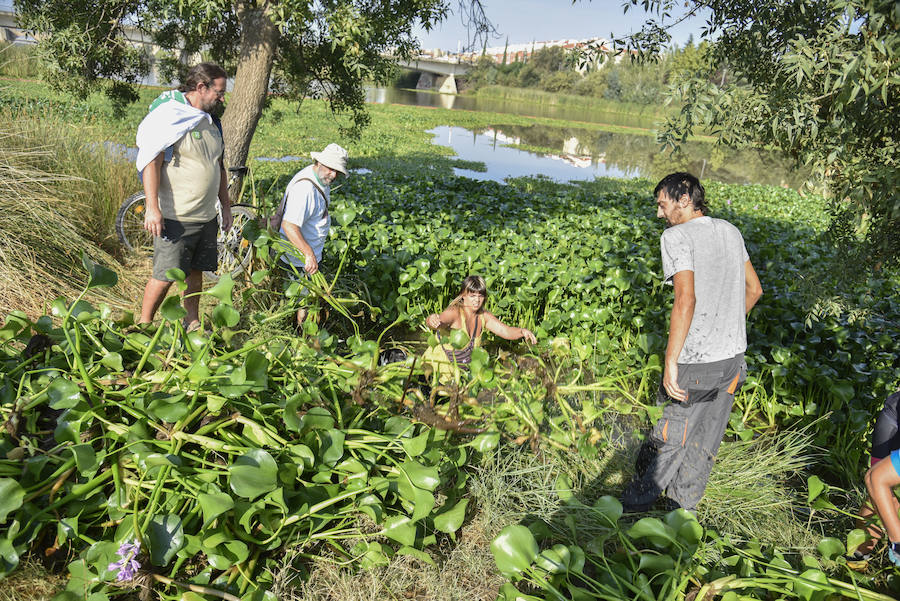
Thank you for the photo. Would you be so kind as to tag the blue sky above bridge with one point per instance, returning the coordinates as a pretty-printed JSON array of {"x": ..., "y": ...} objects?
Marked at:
[{"x": 542, "y": 20}]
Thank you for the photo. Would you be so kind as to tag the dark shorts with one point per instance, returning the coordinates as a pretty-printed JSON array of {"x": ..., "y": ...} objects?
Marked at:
[{"x": 187, "y": 246}]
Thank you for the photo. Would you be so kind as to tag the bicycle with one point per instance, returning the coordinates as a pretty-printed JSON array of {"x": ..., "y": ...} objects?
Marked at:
[{"x": 234, "y": 251}]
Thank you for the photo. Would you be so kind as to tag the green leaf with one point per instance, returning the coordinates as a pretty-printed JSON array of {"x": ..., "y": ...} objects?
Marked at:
[
  {"x": 222, "y": 290},
  {"x": 171, "y": 309},
  {"x": 451, "y": 519},
  {"x": 554, "y": 560},
  {"x": 164, "y": 538},
  {"x": 344, "y": 217},
  {"x": 16, "y": 323},
  {"x": 63, "y": 394},
  {"x": 610, "y": 508},
  {"x": 659, "y": 534},
  {"x": 486, "y": 442},
  {"x": 401, "y": 529},
  {"x": 9, "y": 557},
  {"x": 564, "y": 488},
  {"x": 427, "y": 478},
  {"x": 176, "y": 275},
  {"x": 100, "y": 276},
  {"x": 806, "y": 585},
  {"x": 85, "y": 458},
  {"x": 416, "y": 446},
  {"x": 168, "y": 407},
  {"x": 317, "y": 418},
  {"x": 213, "y": 505},
  {"x": 11, "y": 496},
  {"x": 815, "y": 486},
  {"x": 253, "y": 474},
  {"x": 508, "y": 592},
  {"x": 417, "y": 554},
  {"x": 331, "y": 448},
  {"x": 225, "y": 316},
  {"x": 514, "y": 550},
  {"x": 113, "y": 361},
  {"x": 656, "y": 564},
  {"x": 855, "y": 538},
  {"x": 459, "y": 339},
  {"x": 830, "y": 548},
  {"x": 258, "y": 276}
]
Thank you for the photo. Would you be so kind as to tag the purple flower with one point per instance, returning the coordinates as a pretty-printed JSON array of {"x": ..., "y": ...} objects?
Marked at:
[
  {"x": 127, "y": 566},
  {"x": 729, "y": 201},
  {"x": 755, "y": 207}
]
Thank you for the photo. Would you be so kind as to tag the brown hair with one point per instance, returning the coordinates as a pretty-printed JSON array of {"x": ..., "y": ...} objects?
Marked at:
[
  {"x": 204, "y": 73},
  {"x": 678, "y": 184},
  {"x": 472, "y": 283}
]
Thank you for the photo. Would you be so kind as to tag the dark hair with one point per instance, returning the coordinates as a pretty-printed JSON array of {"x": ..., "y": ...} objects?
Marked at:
[
  {"x": 203, "y": 73},
  {"x": 678, "y": 184},
  {"x": 472, "y": 283}
]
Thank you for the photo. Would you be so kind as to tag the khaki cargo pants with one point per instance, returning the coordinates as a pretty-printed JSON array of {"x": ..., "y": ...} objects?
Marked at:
[{"x": 683, "y": 444}]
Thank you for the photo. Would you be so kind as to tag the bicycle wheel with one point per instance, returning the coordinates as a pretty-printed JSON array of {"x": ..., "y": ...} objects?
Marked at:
[
  {"x": 130, "y": 225},
  {"x": 234, "y": 250}
]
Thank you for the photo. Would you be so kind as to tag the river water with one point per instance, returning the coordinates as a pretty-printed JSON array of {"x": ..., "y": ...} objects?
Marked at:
[{"x": 566, "y": 153}]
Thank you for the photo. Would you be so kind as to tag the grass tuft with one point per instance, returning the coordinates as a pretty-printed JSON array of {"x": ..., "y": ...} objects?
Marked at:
[{"x": 58, "y": 198}]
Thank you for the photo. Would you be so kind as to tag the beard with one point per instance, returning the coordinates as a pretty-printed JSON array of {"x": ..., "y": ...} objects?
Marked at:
[{"x": 217, "y": 110}]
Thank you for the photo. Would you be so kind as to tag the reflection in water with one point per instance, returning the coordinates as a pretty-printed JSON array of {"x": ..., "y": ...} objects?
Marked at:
[
  {"x": 569, "y": 154},
  {"x": 474, "y": 103}
]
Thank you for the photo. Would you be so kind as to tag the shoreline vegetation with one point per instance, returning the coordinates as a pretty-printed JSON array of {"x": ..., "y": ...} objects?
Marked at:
[{"x": 308, "y": 441}]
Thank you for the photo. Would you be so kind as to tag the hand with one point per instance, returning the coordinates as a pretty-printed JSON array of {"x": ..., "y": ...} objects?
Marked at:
[
  {"x": 153, "y": 222},
  {"x": 670, "y": 383},
  {"x": 433, "y": 321},
  {"x": 310, "y": 264},
  {"x": 227, "y": 219},
  {"x": 528, "y": 336}
]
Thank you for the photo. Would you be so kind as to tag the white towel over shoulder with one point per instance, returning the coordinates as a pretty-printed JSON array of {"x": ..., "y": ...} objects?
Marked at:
[{"x": 163, "y": 126}]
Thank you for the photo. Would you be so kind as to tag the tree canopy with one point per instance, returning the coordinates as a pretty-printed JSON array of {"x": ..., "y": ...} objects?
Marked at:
[
  {"x": 817, "y": 79},
  {"x": 299, "y": 47}
]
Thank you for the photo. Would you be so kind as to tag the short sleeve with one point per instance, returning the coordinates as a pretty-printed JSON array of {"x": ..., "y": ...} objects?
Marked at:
[
  {"x": 300, "y": 204},
  {"x": 744, "y": 248},
  {"x": 677, "y": 254}
]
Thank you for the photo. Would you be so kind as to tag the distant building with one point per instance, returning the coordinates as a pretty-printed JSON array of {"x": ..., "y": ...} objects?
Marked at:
[{"x": 517, "y": 53}]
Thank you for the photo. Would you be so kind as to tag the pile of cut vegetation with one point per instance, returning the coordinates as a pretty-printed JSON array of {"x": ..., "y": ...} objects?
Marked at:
[{"x": 57, "y": 201}]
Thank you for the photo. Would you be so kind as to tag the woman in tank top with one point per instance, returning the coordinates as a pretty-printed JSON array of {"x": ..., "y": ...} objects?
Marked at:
[{"x": 466, "y": 312}]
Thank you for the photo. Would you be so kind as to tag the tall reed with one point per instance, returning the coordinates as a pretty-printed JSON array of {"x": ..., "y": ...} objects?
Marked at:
[{"x": 58, "y": 198}]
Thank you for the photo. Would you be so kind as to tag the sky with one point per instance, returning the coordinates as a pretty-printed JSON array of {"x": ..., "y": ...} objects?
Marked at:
[{"x": 543, "y": 20}]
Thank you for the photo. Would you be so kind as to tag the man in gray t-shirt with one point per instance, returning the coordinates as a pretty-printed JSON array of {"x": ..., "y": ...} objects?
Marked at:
[{"x": 715, "y": 287}]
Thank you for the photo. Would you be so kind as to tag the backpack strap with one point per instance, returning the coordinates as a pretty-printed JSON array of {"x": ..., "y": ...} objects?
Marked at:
[{"x": 276, "y": 219}]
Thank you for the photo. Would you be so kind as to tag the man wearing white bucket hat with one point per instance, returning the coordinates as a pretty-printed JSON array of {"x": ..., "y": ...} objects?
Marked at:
[{"x": 306, "y": 220}]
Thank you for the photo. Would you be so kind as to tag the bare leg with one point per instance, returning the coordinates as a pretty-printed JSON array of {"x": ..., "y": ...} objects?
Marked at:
[
  {"x": 194, "y": 282},
  {"x": 154, "y": 293},
  {"x": 880, "y": 481},
  {"x": 872, "y": 530}
]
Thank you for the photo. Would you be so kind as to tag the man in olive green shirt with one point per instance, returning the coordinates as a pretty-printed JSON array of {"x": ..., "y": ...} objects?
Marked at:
[{"x": 180, "y": 151}]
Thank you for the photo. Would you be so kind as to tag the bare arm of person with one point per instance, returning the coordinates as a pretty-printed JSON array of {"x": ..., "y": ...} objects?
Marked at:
[
  {"x": 153, "y": 219},
  {"x": 680, "y": 324},
  {"x": 292, "y": 231},
  {"x": 753, "y": 289},
  {"x": 446, "y": 319},
  {"x": 507, "y": 332},
  {"x": 224, "y": 199},
  {"x": 880, "y": 481}
]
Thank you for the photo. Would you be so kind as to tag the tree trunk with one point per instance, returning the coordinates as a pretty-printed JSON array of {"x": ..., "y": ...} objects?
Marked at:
[{"x": 259, "y": 37}]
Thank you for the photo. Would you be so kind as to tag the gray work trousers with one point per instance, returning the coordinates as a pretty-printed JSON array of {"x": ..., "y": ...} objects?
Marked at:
[{"x": 683, "y": 444}]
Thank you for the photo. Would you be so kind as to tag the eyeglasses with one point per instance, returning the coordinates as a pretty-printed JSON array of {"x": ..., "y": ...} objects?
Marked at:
[{"x": 219, "y": 93}]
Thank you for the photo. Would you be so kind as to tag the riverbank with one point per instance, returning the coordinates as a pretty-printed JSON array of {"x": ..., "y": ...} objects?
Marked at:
[{"x": 533, "y": 96}]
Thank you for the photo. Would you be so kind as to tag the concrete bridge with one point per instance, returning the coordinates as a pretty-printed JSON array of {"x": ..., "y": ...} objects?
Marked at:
[{"x": 436, "y": 73}]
